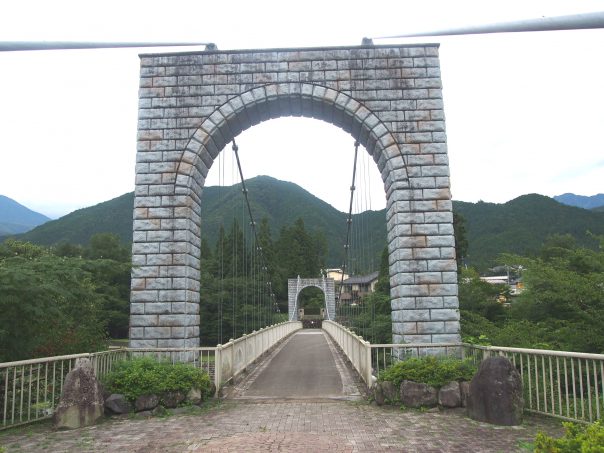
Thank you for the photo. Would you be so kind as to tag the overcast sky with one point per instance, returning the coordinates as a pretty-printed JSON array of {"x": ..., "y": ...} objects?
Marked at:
[{"x": 524, "y": 112}]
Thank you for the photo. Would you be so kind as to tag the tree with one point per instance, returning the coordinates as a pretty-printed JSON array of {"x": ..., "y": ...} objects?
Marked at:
[
  {"x": 383, "y": 284},
  {"x": 49, "y": 306},
  {"x": 300, "y": 252},
  {"x": 111, "y": 281},
  {"x": 480, "y": 297},
  {"x": 107, "y": 246},
  {"x": 565, "y": 290},
  {"x": 461, "y": 241}
]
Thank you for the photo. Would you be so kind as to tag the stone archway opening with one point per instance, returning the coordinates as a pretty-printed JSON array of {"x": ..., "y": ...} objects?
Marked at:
[
  {"x": 311, "y": 302},
  {"x": 290, "y": 148},
  {"x": 386, "y": 97}
]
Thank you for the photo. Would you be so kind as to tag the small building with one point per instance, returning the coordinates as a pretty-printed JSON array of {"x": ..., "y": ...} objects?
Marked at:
[
  {"x": 514, "y": 285},
  {"x": 336, "y": 274},
  {"x": 356, "y": 287}
]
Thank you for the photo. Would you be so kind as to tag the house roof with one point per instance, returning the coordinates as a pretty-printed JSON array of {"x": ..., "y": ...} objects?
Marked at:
[{"x": 356, "y": 279}]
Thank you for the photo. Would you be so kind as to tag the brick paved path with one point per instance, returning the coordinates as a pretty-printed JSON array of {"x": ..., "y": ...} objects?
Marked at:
[{"x": 287, "y": 426}]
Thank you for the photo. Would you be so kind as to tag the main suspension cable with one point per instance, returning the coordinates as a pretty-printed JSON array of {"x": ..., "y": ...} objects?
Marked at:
[
  {"x": 263, "y": 262},
  {"x": 349, "y": 220}
]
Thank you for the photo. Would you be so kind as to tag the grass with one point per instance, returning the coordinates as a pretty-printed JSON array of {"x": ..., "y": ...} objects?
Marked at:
[{"x": 119, "y": 342}]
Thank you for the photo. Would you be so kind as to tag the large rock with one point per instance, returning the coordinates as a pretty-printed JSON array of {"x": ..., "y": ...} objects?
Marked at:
[
  {"x": 146, "y": 403},
  {"x": 390, "y": 391},
  {"x": 384, "y": 392},
  {"x": 416, "y": 394},
  {"x": 378, "y": 394},
  {"x": 81, "y": 402},
  {"x": 464, "y": 389},
  {"x": 194, "y": 396},
  {"x": 449, "y": 395},
  {"x": 496, "y": 393},
  {"x": 117, "y": 404},
  {"x": 172, "y": 399}
]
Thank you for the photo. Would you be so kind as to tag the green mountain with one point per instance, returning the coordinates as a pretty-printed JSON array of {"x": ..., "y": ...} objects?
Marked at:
[
  {"x": 521, "y": 225},
  {"x": 279, "y": 201},
  {"x": 518, "y": 226},
  {"x": 581, "y": 201},
  {"x": 16, "y": 218},
  {"x": 113, "y": 216}
]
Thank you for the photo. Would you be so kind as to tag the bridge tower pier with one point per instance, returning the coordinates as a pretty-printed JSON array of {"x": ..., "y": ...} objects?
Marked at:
[{"x": 388, "y": 98}]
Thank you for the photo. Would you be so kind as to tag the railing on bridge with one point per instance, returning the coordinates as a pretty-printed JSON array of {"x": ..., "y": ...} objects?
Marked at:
[
  {"x": 356, "y": 350},
  {"x": 567, "y": 385},
  {"x": 235, "y": 356},
  {"x": 561, "y": 384},
  {"x": 30, "y": 389}
]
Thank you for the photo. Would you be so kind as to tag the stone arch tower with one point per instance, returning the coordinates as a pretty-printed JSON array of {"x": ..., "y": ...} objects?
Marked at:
[
  {"x": 296, "y": 285},
  {"x": 192, "y": 104}
]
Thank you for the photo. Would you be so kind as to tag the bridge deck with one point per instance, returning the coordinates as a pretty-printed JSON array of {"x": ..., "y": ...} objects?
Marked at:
[{"x": 306, "y": 366}]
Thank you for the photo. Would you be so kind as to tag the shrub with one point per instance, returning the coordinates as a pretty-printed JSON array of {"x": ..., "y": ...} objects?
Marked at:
[
  {"x": 577, "y": 438},
  {"x": 145, "y": 376},
  {"x": 429, "y": 370}
]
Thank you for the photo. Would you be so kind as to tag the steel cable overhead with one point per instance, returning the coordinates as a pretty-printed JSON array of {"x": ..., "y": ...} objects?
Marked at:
[
  {"x": 584, "y": 21},
  {"x": 267, "y": 287},
  {"x": 221, "y": 239},
  {"x": 358, "y": 259},
  {"x": 349, "y": 225},
  {"x": 18, "y": 46}
]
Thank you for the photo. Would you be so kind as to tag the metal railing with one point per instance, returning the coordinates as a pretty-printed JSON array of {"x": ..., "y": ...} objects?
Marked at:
[
  {"x": 566, "y": 385},
  {"x": 356, "y": 350},
  {"x": 235, "y": 356},
  {"x": 30, "y": 389},
  {"x": 385, "y": 355}
]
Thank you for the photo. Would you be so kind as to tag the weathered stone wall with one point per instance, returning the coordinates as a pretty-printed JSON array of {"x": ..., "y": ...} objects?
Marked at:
[
  {"x": 192, "y": 104},
  {"x": 295, "y": 287}
]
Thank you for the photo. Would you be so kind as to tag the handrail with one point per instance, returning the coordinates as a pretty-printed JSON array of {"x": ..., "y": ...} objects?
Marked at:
[
  {"x": 234, "y": 357},
  {"x": 30, "y": 389},
  {"x": 356, "y": 350},
  {"x": 44, "y": 360},
  {"x": 546, "y": 352},
  {"x": 561, "y": 384}
]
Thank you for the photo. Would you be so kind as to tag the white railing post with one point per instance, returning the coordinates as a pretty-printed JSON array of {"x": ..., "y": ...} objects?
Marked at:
[
  {"x": 232, "y": 343},
  {"x": 368, "y": 369},
  {"x": 218, "y": 368}
]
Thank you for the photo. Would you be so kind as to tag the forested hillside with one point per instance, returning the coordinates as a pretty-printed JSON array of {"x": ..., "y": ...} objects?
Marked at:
[
  {"x": 280, "y": 202},
  {"x": 518, "y": 226},
  {"x": 113, "y": 216},
  {"x": 522, "y": 225}
]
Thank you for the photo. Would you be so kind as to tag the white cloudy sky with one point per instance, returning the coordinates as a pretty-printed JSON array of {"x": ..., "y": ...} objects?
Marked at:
[{"x": 525, "y": 112}]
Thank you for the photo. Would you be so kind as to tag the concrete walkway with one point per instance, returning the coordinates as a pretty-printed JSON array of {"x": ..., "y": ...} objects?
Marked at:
[
  {"x": 307, "y": 365},
  {"x": 305, "y": 414}
]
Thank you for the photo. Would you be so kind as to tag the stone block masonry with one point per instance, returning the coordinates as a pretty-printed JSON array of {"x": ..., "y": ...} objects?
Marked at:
[{"x": 191, "y": 105}]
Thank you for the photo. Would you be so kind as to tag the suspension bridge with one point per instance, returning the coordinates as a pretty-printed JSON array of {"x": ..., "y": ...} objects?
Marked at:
[{"x": 192, "y": 106}]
